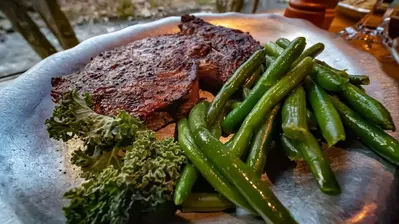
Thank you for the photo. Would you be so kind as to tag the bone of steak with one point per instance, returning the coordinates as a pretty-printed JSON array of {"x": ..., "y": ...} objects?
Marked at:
[{"x": 157, "y": 78}]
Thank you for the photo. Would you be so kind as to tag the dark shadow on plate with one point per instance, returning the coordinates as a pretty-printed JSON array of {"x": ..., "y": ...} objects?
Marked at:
[{"x": 277, "y": 163}]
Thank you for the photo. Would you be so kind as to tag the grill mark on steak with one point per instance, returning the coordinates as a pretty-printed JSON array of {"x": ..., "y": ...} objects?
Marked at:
[{"x": 157, "y": 78}]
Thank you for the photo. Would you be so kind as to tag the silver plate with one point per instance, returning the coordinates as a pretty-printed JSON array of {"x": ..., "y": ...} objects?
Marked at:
[{"x": 31, "y": 183}]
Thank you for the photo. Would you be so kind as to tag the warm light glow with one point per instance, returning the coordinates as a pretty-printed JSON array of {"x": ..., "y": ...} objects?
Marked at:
[
  {"x": 366, "y": 211},
  {"x": 227, "y": 24}
]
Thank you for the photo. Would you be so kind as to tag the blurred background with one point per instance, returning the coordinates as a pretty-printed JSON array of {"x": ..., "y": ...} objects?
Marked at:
[{"x": 34, "y": 29}]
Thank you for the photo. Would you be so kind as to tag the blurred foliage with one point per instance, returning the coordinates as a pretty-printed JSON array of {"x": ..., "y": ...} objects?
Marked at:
[
  {"x": 155, "y": 3},
  {"x": 125, "y": 8},
  {"x": 229, "y": 5},
  {"x": 205, "y": 2},
  {"x": 79, "y": 11}
]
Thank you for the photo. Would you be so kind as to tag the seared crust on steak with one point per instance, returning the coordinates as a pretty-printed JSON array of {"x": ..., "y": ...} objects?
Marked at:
[
  {"x": 156, "y": 78},
  {"x": 221, "y": 50}
]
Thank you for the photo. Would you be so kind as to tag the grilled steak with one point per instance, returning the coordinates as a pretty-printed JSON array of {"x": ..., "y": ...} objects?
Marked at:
[{"x": 157, "y": 78}]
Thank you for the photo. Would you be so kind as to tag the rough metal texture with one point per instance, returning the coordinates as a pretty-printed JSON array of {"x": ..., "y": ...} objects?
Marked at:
[
  {"x": 155, "y": 78},
  {"x": 31, "y": 185}
]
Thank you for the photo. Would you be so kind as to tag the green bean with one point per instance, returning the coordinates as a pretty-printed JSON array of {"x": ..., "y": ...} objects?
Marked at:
[
  {"x": 207, "y": 168},
  {"x": 294, "y": 122},
  {"x": 233, "y": 84},
  {"x": 245, "y": 94},
  {"x": 380, "y": 142},
  {"x": 289, "y": 149},
  {"x": 312, "y": 51},
  {"x": 334, "y": 70},
  {"x": 273, "y": 49},
  {"x": 253, "y": 78},
  {"x": 283, "y": 42},
  {"x": 327, "y": 117},
  {"x": 216, "y": 128},
  {"x": 311, "y": 120},
  {"x": 206, "y": 202},
  {"x": 359, "y": 79},
  {"x": 260, "y": 146},
  {"x": 268, "y": 79},
  {"x": 328, "y": 79},
  {"x": 185, "y": 184},
  {"x": 368, "y": 107},
  {"x": 319, "y": 165},
  {"x": 361, "y": 88},
  {"x": 273, "y": 96},
  {"x": 324, "y": 77},
  {"x": 232, "y": 104},
  {"x": 269, "y": 60},
  {"x": 255, "y": 191}
]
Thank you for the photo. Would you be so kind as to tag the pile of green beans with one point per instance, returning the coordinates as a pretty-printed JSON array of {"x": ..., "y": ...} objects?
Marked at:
[{"x": 287, "y": 96}]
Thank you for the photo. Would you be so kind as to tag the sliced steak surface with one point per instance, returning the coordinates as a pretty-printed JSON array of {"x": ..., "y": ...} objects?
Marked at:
[{"x": 157, "y": 78}]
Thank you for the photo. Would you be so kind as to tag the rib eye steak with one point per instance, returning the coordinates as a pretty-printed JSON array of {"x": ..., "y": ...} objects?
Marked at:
[{"x": 157, "y": 78}]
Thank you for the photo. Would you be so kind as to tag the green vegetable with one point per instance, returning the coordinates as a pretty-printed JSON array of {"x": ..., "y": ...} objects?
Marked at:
[
  {"x": 379, "y": 141},
  {"x": 319, "y": 165},
  {"x": 232, "y": 104},
  {"x": 74, "y": 117},
  {"x": 256, "y": 192},
  {"x": 216, "y": 128},
  {"x": 289, "y": 149},
  {"x": 207, "y": 168},
  {"x": 144, "y": 182},
  {"x": 252, "y": 79},
  {"x": 273, "y": 49},
  {"x": 361, "y": 88},
  {"x": 245, "y": 94},
  {"x": 368, "y": 107},
  {"x": 312, "y": 51},
  {"x": 129, "y": 172},
  {"x": 268, "y": 79},
  {"x": 359, "y": 79},
  {"x": 233, "y": 84},
  {"x": 206, "y": 202},
  {"x": 103, "y": 136},
  {"x": 311, "y": 120},
  {"x": 260, "y": 145},
  {"x": 283, "y": 42},
  {"x": 92, "y": 164},
  {"x": 269, "y": 60},
  {"x": 334, "y": 70},
  {"x": 328, "y": 79},
  {"x": 294, "y": 122},
  {"x": 325, "y": 78},
  {"x": 327, "y": 117},
  {"x": 102, "y": 199},
  {"x": 273, "y": 96},
  {"x": 185, "y": 184}
]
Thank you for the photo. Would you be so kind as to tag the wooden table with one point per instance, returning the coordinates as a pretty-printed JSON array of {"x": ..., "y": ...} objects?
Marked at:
[
  {"x": 339, "y": 23},
  {"x": 342, "y": 21}
]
